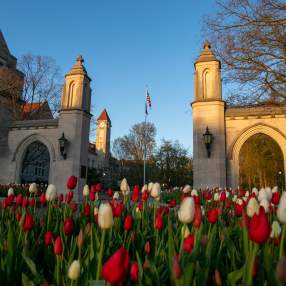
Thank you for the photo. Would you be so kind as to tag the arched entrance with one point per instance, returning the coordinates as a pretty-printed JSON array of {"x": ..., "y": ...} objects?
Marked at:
[
  {"x": 235, "y": 148},
  {"x": 261, "y": 162},
  {"x": 35, "y": 164}
]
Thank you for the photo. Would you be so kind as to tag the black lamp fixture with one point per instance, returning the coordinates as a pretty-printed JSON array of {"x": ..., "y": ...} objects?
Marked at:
[
  {"x": 63, "y": 143},
  {"x": 208, "y": 139}
]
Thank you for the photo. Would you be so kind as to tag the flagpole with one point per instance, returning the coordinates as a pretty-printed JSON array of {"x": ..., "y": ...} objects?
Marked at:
[{"x": 144, "y": 142}]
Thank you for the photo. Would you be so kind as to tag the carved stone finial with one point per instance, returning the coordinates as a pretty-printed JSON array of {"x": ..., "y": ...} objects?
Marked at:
[
  {"x": 80, "y": 59},
  {"x": 207, "y": 45}
]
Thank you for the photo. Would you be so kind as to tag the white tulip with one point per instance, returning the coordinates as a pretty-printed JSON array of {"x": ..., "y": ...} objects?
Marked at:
[
  {"x": 105, "y": 217},
  {"x": 254, "y": 190},
  {"x": 275, "y": 229},
  {"x": 186, "y": 211},
  {"x": 85, "y": 190},
  {"x": 116, "y": 196},
  {"x": 268, "y": 193},
  {"x": 74, "y": 270},
  {"x": 252, "y": 207},
  {"x": 262, "y": 195},
  {"x": 227, "y": 193},
  {"x": 33, "y": 188},
  {"x": 246, "y": 194},
  {"x": 265, "y": 203},
  {"x": 216, "y": 197},
  {"x": 144, "y": 188},
  {"x": 10, "y": 192},
  {"x": 150, "y": 187},
  {"x": 239, "y": 202},
  {"x": 95, "y": 211},
  {"x": 51, "y": 192},
  {"x": 187, "y": 189},
  {"x": 124, "y": 187},
  {"x": 194, "y": 192},
  {"x": 156, "y": 190},
  {"x": 281, "y": 210},
  {"x": 275, "y": 189}
]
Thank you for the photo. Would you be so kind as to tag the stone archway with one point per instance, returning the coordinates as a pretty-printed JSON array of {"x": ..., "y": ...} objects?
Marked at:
[
  {"x": 234, "y": 152},
  {"x": 19, "y": 154},
  {"x": 35, "y": 164}
]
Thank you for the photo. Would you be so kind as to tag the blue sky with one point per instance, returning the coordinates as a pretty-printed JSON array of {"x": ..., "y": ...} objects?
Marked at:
[{"x": 126, "y": 44}]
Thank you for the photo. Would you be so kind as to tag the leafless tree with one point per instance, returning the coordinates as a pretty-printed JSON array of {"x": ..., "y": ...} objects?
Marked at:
[
  {"x": 42, "y": 80},
  {"x": 250, "y": 39}
]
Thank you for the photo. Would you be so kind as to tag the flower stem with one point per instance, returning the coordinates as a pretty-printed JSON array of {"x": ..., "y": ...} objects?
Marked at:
[
  {"x": 281, "y": 249},
  {"x": 99, "y": 262}
]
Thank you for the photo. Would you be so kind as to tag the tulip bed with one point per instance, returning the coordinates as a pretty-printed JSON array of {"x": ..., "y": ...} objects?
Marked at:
[{"x": 213, "y": 237}]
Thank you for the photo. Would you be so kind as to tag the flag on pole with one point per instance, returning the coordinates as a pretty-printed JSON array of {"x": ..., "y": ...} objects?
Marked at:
[{"x": 148, "y": 102}]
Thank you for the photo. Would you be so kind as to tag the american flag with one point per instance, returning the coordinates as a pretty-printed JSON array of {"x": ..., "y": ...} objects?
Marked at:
[{"x": 148, "y": 99}]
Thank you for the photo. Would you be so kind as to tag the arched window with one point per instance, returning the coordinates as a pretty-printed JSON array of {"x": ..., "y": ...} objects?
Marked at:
[
  {"x": 71, "y": 94},
  {"x": 206, "y": 82},
  {"x": 36, "y": 164}
]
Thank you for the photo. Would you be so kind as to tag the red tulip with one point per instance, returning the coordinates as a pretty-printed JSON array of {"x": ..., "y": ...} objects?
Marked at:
[
  {"x": 238, "y": 209},
  {"x": 147, "y": 247},
  {"x": 18, "y": 216},
  {"x": 145, "y": 196},
  {"x": 115, "y": 269},
  {"x": 213, "y": 215},
  {"x": 135, "y": 193},
  {"x": 223, "y": 196},
  {"x": 32, "y": 202},
  {"x": 134, "y": 271},
  {"x": 68, "y": 226},
  {"x": 189, "y": 242},
  {"x": 128, "y": 222},
  {"x": 118, "y": 208},
  {"x": 259, "y": 228},
  {"x": 43, "y": 199},
  {"x": 19, "y": 200},
  {"x": 58, "y": 247},
  {"x": 159, "y": 222},
  {"x": 86, "y": 210},
  {"x": 92, "y": 196},
  {"x": 172, "y": 204},
  {"x": 48, "y": 239},
  {"x": 96, "y": 188},
  {"x": 60, "y": 198},
  {"x": 196, "y": 199},
  {"x": 110, "y": 192},
  {"x": 72, "y": 182},
  {"x": 275, "y": 198},
  {"x": 29, "y": 222},
  {"x": 207, "y": 195},
  {"x": 25, "y": 202},
  {"x": 177, "y": 271},
  {"x": 198, "y": 216}
]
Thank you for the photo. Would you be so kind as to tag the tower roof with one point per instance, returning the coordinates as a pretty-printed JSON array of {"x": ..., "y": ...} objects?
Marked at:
[
  {"x": 207, "y": 54},
  {"x": 4, "y": 51},
  {"x": 104, "y": 116},
  {"x": 78, "y": 68}
]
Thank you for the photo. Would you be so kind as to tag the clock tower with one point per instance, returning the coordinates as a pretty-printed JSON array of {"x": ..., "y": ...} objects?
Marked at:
[{"x": 103, "y": 127}]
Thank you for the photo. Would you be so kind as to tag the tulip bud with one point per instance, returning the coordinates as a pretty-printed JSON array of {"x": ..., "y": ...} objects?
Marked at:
[
  {"x": 68, "y": 226},
  {"x": 33, "y": 188},
  {"x": 48, "y": 239},
  {"x": 124, "y": 187},
  {"x": 216, "y": 197},
  {"x": 134, "y": 270},
  {"x": 217, "y": 278},
  {"x": 177, "y": 271},
  {"x": 187, "y": 189},
  {"x": 265, "y": 204},
  {"x": 128, "y": 222},
  {"x": 74, "y": 270},
  {"x": 187, "y": 210},
  {"x": 185, "y": 231},
  {"x": 51, "y": 192},
  {"x": 85, "y": 191},
  {"x": 159, "y": 222},
  {"x": 281, "y": 210},
  {"x": 87, "y": 229},
  {"x": 156, "y": 190},
  {"x": 58, "y": 247},
  {"x": 10, "y": 192},
  {"x": 116, "y": 196},
  {"x": 147, "y": 247},
  {"x": 79, "y": 240},
  {"x": 275, "y": 229},
  {"x": 252, "y": 207},
  {"x": 105, "y": 217}
]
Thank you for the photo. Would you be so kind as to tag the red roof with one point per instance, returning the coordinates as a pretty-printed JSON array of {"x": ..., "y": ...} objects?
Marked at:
[{"x": 104, "y": 116}]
